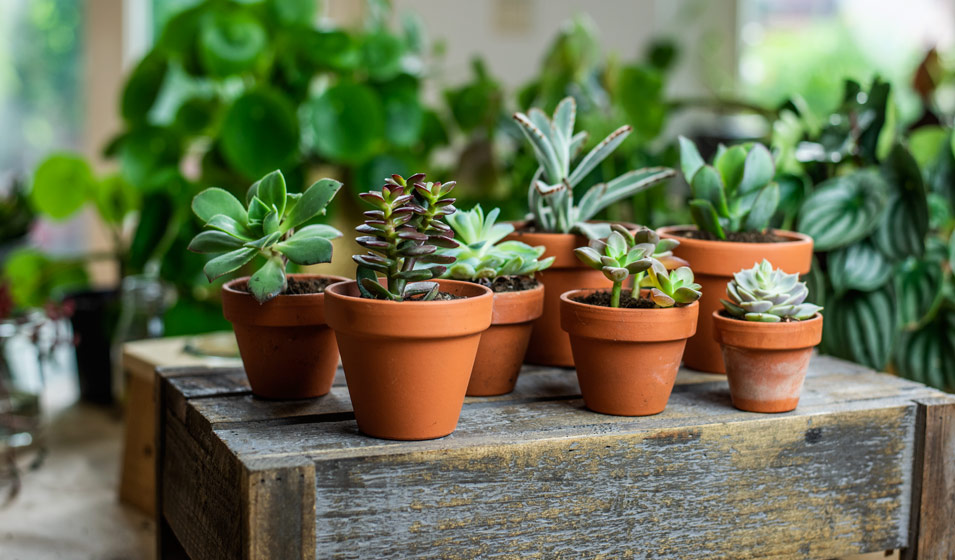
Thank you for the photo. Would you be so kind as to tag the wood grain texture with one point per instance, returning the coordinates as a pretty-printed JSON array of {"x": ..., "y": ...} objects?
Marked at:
[{"x": 278, "y": 512}]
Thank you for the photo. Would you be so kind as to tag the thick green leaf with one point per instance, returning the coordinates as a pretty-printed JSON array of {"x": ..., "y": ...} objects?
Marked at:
[
  {"x": 690, "y": 159},
  {"x": 758, "y": 169},
  {"x": 305, "y": 248},
  {"x": 705, "y": 218},
  {"x": 294, "y": 12},
  {"x": 115, "y": 198},
  {"x": 61, "y": 185},
  {"x": 404, "y": 117},
  {"x": 347, "y": 122},
  {"x": 919, "y": 289},
  {"x": 268, "y": 281},
  {"x": 272, "y": 192},
  {"x": 859, "y": 266},
  {"x": 35, "y": 279},
  {"x": 213, "y": 201},
  {"x": 143, "y": 86},
  {"x": 313, "y": 202},
  {"x": 843, "y": 210},
  {"x": 707, "y": 185},
  {"x": 229, "y": 262},
  {"x": 381, "y": 55},
  {"x": 231, "y": 42},
  {"x": 214, "y": 242},
  {"x": 730, "y": 164},
  {"x": 196, "y": 114},
  {"x": 763, "y": 209},
  {"x": 260, "y": 132},
  {"x": 328, "y": 50}
]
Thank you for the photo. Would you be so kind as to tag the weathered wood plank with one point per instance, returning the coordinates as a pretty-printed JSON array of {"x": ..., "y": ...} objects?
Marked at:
[
  {"x": 933, "y": 512},
  {"x": 278, "y": 513},
  {"x": 801, "y": 486}
]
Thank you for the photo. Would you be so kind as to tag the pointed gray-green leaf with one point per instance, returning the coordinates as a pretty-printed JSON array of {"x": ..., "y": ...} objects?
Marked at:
[
  {"x": 764, "y": 207},
  {"x": 265, "y": 242},
  {"x": 214, "y": 242},
  {"x": 229, "y": 262},
  {"x": 690, "y": 159},
  {"x": 213, "y": 201},
  {"x": 705, "y": 218},
  {"x": 272, "y": 191},
  {"x": 762, "y": 317},
  {"x": 732, "y": 308},
  {"x": 313, "y": 202},
  {"x": 707, "y": 185},
  {"x": 268, "y": 281},
  {"x": 730, "y": 164},
  {"x": 306, "y": 249},
  {"x": 758, "y": 169},
  {"x": 228, "y": 225},
  {"x": 589, "y": 257},
  {"x": 598, "y": 154}
]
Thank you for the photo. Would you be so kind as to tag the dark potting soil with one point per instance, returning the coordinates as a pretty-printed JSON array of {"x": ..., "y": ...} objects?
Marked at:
[
  {"x": 511, "y": 283},
  {"x": 724, "y": 313},
  {"x": 734, "y": 236},
  {"x": 302, "y": 286},
  {"x": 627, "y": 301}
]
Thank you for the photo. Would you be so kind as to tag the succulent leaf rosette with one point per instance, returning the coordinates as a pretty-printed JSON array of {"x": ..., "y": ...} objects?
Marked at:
[
  {"x": 268, "y": 225},
  {"x": 641, "y": 255},
  {"x": 550, "y": 196},
  {"x": 764, "y": 294},
  {"x": 483, "y": 256},
  {"x": 402, "y": 234}
]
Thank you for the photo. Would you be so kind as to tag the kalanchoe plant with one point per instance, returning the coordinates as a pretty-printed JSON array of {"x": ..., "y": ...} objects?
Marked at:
[
  {"x": 763, "y": 294},
  {"x": 550, "y": 196},
  {"x": 736, "y": 193},
  {"x": 265, "y": 226},
  {"x": 405, "y": 230},
  {"x": 624, "y": 254},
  {"x": 482, "y": 256}
]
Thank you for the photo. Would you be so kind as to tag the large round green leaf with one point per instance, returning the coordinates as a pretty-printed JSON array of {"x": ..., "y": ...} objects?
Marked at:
[
  {"x": 260, "y": 133},
  {"x": 294, "y": 12},
  {"x": 918, "y": 284},
  {"x": 145, "y": 153},
  {"x": 61, "y": 185},
  {"x": 142, "y": 88},
  {"x": 843, "y": 210},
  {"x": 231, "y": 42},
  {"x": 347, "y": 123},
  {"x": 381, "y": 55},
  {"x": 328, "y": 50},
  {"x": 928, "y": 355},
  {"x": 640, "y": 91},
  {"x": 404, "y": 117},
  {"x": 115, "y": 198},
  {"x": 859, "y": 266},
  {"x": 180, "y": 38},
  {"x": 196, "y": 114},
  {"x": 866, "y": 326}
]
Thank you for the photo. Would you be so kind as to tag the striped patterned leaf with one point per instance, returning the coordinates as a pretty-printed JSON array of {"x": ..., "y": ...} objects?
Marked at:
[
  {"x": 843, "y": 210},
  {"x": 918, "y": 284},
  {"x": 928, "y": 355},
  {"x": 858, "y": 267},
  {"x": 817, "y": 283},
  {"x": 866, "y": 326},
  {"x": 905, "y": 222}
]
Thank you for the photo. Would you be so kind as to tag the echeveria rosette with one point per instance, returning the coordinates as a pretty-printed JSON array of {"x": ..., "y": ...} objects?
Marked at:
[
  {"x": 265, "y": 226},
  {"x": 483, "y": 256},
  {"x": 403, "y": 233},
  {"x": 550, "y": 197},
  {"x": 764, "y": 294},
  {"x": 736, "y": 193}
]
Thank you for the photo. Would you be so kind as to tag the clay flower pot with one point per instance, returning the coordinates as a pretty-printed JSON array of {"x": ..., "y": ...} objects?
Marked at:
[
  {"x": 407, "y": 364},
  {"x": 627, "y": 359},
  {"x": 766, "y": 362},
  {"x": 713, "y": 264},
  {"x": 504, "y": 344},
  {"x": 287, "y": 349},
  {"x": 549, "y": 344}
]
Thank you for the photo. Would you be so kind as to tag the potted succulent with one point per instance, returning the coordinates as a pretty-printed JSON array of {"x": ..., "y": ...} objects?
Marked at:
[
  {"x": 767, "y": 332},
  {"x": 628, "y": 344},
  {"x": 733, "y": 201},
  {"x": 287, "y": 349},
  {"x": 508, "y": 269},
  {"x": 562, "y": 223},
  {"x": 408, "y": 341}
]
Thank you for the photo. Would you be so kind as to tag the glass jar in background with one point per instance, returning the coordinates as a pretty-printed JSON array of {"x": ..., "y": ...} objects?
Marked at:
[{"x": 143, "y": 301}]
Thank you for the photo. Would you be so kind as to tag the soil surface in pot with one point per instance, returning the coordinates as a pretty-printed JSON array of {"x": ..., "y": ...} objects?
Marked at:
[
  {"x": 297, "y": 287},
  {"x": 511, "y": 284},
  {"x": 735, "y": 318},
  {"x": 733, "y": 236},
  {"x": 602, "y": 299}
]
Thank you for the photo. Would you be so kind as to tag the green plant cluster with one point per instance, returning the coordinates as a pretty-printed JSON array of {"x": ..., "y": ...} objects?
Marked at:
[
  {"x": 766, "y": 295},
  {"x": 265, "y": 226},
  {"x": 405, "y": 229},
  {"x": 483, "y": 256}
]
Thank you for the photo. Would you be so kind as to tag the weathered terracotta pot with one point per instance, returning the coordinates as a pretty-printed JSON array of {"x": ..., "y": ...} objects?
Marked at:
[
  {"x": 407, "y": 364},
  {"x": 713, "y": 264},
  {"x": 549, "y": 344},
  {"x": 627, "y": 359},
  {"x": 766, "y": 363},
  {"x": 287, "y": 349},
  {"x": 504, "y": 344}
]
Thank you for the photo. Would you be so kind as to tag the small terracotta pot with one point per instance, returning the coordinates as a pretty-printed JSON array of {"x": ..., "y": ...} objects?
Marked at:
[
  {"x": 766, "y": 363},
  {"x": 504, "y": 344},
  {"x": 407, "y": 364},
  {"x": 287, "y": 349},
  {"x": 713, "y": 264},
  {"x": 549, "y": 344},
  {"x": 627, "y": 359}
]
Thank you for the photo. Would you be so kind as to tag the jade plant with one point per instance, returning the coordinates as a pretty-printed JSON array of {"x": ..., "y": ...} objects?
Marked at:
[
  {"x": 265, "y": 225},
  {"x": 482, "y": 256},
  {"x": 550, "y": 196},
  {"x": 405, "y": 229},
  {"x": 624, "y": 254},
  {"x": 736, "y": 193},
  {"x": 767, "y": 295}
]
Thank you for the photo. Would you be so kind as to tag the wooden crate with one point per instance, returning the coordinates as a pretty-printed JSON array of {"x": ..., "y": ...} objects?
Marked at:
[{"x": 866, "y": 463}]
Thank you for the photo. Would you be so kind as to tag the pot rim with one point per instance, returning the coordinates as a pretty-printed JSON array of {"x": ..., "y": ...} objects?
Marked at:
[
  {"x": 558, "y": 245},
  {"x": 645, "y": 325},
  {"x": 758, "y": 335},
  {"x": 521, "y": 306},
  {"x": 284, "y": 310},
  {"x": 792, "y": 238},
  {"x": 724, "y": 258},
  {"x": 230, "y": 285}
]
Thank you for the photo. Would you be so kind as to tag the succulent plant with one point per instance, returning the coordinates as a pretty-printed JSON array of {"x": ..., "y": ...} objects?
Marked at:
[
  {"x": 265, "y": 226},
  {"x": 482, "y": 256},
  {"x": 550, "y": 196},
  {"x": 763, "y": 294},
  {"x": 736, "y": 193},
  {"x": 624, "y": 254},
  {"x": 405, "y": 230}
]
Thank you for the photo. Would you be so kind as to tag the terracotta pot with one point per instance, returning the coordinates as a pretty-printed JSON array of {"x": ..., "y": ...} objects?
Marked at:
[
  {"x": 713, "y": 264},
  {"x": 627, "y": 359},
  {"x": 504, "y": 344},
  {"x": 407, "y": 364},
  {"x": 287, "y": 349},
  {"x": 549, "y": 344},
  {"x": 766, "y": 363}
]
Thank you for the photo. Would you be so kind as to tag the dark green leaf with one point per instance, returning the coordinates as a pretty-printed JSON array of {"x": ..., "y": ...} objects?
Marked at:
[
  {"x": 229, "y": 262},
  {"x": 705, "y": 218},
  {"x": 843, "y": 210},
  {"x": 213, "y": 201},
  {"x": 272, "y": 192},
  {"x": 260, "y": 132},
  {"x": 143, "y": 86},
  {"x": 690, "y": 159},
  {"x": 149, "y": 156},
  {"x": 758, "y": 169},
  {"x": 763, "y": 209},
  {"x": 730, "y": 164},
  {"x": 230, "y": 43},
  {"x": 404, "y": 117},
  {"x": 708, "y": 186},
  {"x": 306, "y": 249},
  {"x": 381, "y": 55},
  {"x": 313, "y": 202},
  {"x": 347, "y": 122},
  {"x": 858, "y": 267},
  {"x": 214, "y": 242},
  {"x": 268, "y": 281}
]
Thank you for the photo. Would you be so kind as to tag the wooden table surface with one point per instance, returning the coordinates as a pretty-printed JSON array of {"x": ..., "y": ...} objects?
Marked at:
[{"x": 866, "y": 463}]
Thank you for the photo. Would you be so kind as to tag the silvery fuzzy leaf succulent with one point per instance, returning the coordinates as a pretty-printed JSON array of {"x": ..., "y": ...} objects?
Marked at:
[
  {"x": 483, "y": 256},
  {"x": 550, "y": 196},
  {"x": 764, "y": 294}
]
